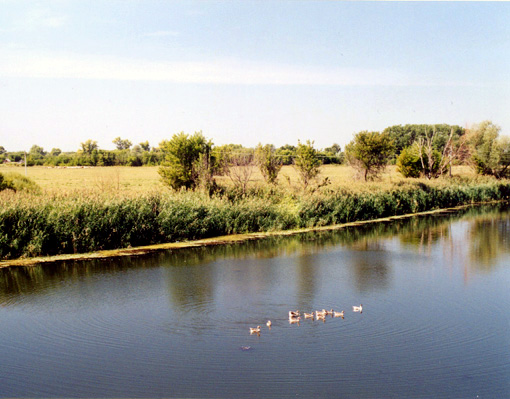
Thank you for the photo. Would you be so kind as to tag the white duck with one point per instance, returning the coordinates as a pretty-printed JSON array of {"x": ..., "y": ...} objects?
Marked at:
[
  {"x": 255, "y": 330},
  {"x": 358, "y": 308}
]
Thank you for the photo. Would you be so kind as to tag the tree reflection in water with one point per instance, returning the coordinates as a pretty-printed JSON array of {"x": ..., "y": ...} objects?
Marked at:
[{"x": 488, "y": 237}]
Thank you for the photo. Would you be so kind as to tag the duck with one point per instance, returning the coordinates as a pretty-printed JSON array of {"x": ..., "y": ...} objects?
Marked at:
[
  {"x": 255, "y": 330},
  {"x": 339, "y": 314},
  {"x": 358, "y": 308},
  {"x": 308, "y": 315},
  {"x": 269, "y": 324},
  {"x": 294, "y": 313},
  {"x": 320, "y": 314},
  {"x": 326, "y": 312}
]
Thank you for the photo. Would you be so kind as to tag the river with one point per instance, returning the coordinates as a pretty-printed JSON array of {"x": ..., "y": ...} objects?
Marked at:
[{"x": 435, "y": 320}]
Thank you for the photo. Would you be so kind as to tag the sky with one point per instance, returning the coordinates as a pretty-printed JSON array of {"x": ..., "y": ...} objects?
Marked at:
[{"x": 246, "y": 72}]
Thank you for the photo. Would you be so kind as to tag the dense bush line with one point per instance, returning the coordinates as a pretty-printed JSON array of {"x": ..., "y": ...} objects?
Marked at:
[{"x": 33, "y": 225}]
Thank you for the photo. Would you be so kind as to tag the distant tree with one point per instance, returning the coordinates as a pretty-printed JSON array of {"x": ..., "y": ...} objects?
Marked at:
[
  {"x": 88, "y": 146},
  {"x": 239, "y": 168},
  {"x": 405, "y": 136},
  {"x": 436, "y": 162},
  {"x": 490, "y": 153},
  {"x": 2, "y": 150},
  {"x": 183, "y": 155},
  {"x": 286, "y": 154},
  {"x": 414, "y": 162},
  {"x": 307, "y": 162},
  {"x": 332, "y": 154},
  {"x": 122, "y": 144},
  {"x": 36, "y": 155},
  {"x": 369, "y": 153},
  {"x": 268, "y": 163},
  {"x": 37, "y": 151},
  {"x": 145, "y": 146},
  {"x": 55, "y": 152}
]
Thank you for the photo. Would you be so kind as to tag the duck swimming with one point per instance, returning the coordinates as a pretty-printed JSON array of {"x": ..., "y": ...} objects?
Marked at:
[
  {"x": 358, "y": 308},
  {"x": 255, "y": 330}
]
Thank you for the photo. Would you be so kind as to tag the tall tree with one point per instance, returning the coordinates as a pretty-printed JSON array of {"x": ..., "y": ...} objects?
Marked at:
[
  {"x": 307, "y": 162},
  {"x": 369, "y": 153},
  {"x": 122, "y": 144},
  {"x": 490, "y": 153},
  {"x": 268, "y": 163},
  {"x": 88, "y": 146},
  {"x": 145, "y": 146},
  {"x": 184, "y": 155}
]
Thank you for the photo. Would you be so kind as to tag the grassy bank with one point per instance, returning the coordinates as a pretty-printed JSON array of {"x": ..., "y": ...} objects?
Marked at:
[{"x": 66, "y": 223}]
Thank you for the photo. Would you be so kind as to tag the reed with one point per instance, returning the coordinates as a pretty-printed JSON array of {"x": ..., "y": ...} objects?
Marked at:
[{"x": 50, "y": 223}]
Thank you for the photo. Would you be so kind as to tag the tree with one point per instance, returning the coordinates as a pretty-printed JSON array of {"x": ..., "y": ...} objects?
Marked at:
[
  {"x": 268, "y": 163},
  {"x": 307, "y": 162},
  {"x": 286, "y": 154},
  {"x": 490, "y": 154},
  {"x": 88, "y": 146},
  {"x": 122, "y": 144},
  {"x": 332, "y": 155},
  {"x": 240, "y": 167},
  {"x": 145, "y": 146},
  {"x": 2, "y": 149},
  {"x": 55, "y": 152},
  {"x": 369, "y": 153},
  {"x": 183, "y": 156},
  {"x": 36, "y": 155},
  {"x": 405, "y": 136}
]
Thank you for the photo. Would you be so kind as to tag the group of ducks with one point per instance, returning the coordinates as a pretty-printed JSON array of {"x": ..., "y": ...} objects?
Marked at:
[{"x": 295, "y": 316}]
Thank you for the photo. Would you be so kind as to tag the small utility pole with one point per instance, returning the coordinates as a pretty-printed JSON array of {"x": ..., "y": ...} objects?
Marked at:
[{"x": 25, "y": 164}]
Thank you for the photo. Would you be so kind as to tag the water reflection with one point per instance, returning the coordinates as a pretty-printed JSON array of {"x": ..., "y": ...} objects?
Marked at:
[
  {"x": 370, "y": 264},
  {"x": 489, "y": 239},
  {"x": 191, "y": 280}
]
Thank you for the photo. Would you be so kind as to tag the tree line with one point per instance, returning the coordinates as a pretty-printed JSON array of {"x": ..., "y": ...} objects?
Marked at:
[
  {"x": 190, "y": 161},
  {"x": 427, "y": 151}
]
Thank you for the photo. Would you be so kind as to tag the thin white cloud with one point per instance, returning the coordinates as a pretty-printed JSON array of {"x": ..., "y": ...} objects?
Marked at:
[
  {"x": 227, "y": 71},
  {"x": 161, "y": 33},
  {"x": 35, "y": 19}
]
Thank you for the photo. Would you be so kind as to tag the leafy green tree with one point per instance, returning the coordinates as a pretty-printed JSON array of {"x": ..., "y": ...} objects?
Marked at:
[
  {"x": 122, "y": 144},
  {"x": 36, "y": 155},
  {"x": 2, "y": 149},
  {"x": 268, "y": 163},
  {"x": 145, "y": 146},
  {"x": 332, "y": 155},
  {"x": 490, "y": 153},
  {"x": 55, "y": 152},
  {"x": 307, "y": 162},
  {"x": 286, "y": 154},
  {"x": 405, "y": 136},
  {"x": 88, "y": 146},
  {"x": 183, "y": 155},
  {"x": 411, "y": 164},
  {"x": 369, "y": 153}
]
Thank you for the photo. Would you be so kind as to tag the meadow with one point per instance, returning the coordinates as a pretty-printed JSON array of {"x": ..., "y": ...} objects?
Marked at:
[
  {"x": 134, "y": 180},
  {"x": 81, "y": 210}
]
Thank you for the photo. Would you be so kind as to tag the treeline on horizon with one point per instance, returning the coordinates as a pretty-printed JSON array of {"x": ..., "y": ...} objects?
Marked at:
[{"x": 143, "y": 154}]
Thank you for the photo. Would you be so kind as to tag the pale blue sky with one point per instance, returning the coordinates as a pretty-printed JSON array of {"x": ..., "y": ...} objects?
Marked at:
[{"x": 246, "y": 71}]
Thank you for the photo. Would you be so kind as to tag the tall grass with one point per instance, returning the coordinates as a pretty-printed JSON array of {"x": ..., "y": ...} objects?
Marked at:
[{"x": 32, "y": 224}]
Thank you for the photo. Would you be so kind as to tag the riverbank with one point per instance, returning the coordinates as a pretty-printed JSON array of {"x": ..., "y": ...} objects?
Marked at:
[
  {"x": 221, "y": 240},
  {"x": 34, "y": 226}
]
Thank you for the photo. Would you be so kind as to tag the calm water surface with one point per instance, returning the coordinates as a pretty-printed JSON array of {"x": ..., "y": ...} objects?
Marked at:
[{"x": 435, "y": 322}]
